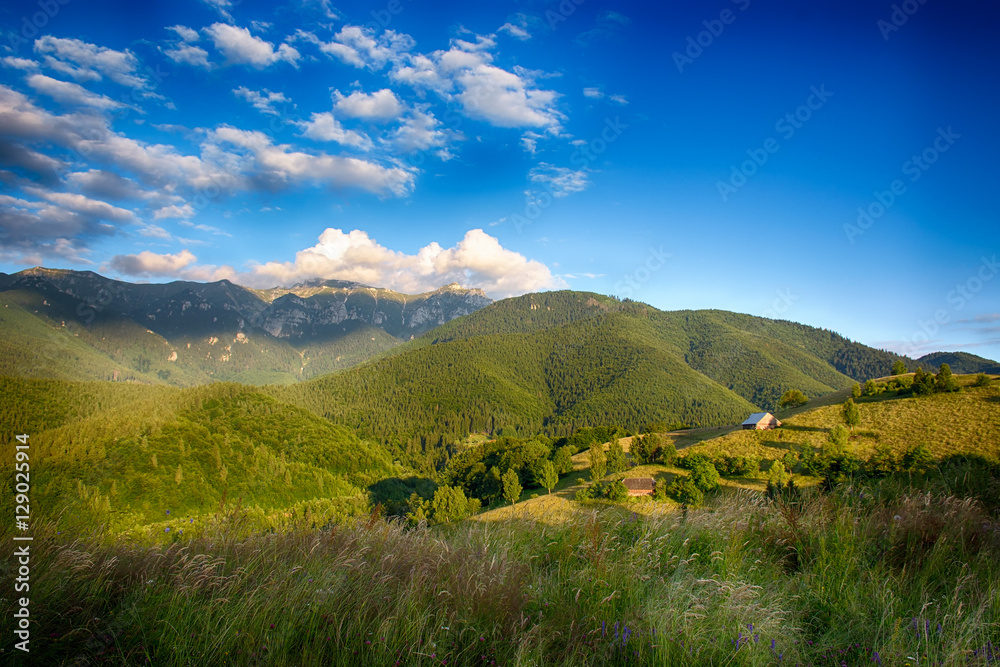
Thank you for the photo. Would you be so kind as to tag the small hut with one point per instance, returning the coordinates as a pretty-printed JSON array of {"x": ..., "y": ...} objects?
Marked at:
[
  {"x": 761, "y": 421},
  {"x": 639, "y": 486}
]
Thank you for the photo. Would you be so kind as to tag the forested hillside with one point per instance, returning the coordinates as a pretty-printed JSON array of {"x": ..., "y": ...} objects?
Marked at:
[
  {"x": 554, "y": 362},
  {"x": 137, "y": 455}
]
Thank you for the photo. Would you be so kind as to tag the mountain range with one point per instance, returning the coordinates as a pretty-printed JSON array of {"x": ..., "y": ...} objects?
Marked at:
[
  {"x": 416, "y": 374},
  {"x": 80, "y": 325}
]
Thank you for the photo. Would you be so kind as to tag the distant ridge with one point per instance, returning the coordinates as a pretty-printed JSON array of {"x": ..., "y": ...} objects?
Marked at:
[{"x": 185, "y": 332}]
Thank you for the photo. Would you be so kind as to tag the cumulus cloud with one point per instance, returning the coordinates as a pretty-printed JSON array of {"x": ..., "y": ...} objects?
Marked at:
[
  {"x": 465, "y": 74},
  {"x": 263, "y": 101},
  {"x": 71, "y": 93},
  {"x": 58, "y": 227},
  {"x": 188, "y": 54},
  {"x": 358, "y": 47},
  {"x": 241, "y": 48},
  {"x": 149, "y": 264},
  {"x": 421, "y": 131},
  {"x": 381, "y": 105},
  {"x": 562, "y": 181},
  {"x": 185, "y": 33},
  {"x": 42, "y": 168},
  {"x": 174, "y": 211},
  {"x": 324, "y": 127},
  {"x": 20, "y": 63},
  {"x": 89, "y": 62},
  {"x": 280, "y": 165},
  {"x": 103, "y": 184},
  {"x": 478, "y": 260}
]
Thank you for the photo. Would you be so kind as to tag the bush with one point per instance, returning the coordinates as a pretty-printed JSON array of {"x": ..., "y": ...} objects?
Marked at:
[
  {"x": 660, "y": 491},
  {"x": 737, "y": 466},
  {"x": 837, "y": 440},
  {"x": 793, "y": 398},
  {"x": 703, "y": 472},
  {"x": 982, "y": 380},
  {"x": 685, "y": 491},
  {"x": 617, "y": 491}
]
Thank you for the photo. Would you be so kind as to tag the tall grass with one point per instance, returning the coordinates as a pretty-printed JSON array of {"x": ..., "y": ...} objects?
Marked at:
[{"x": 861, "y": 576}]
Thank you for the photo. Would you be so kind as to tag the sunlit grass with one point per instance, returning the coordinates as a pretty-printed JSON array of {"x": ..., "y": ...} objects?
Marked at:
[{"x": 850, "y": 577}]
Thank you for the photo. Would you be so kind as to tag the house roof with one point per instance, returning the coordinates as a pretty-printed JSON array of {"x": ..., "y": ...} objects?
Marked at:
[
  {"x": 758, "y": 417},
  {"x": 639, "y": 483}
]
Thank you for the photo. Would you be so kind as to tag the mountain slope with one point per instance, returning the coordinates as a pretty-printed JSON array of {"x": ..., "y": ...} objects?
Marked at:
[
  {"x": 558, "y": 361},
  {"x": 138, "y": 451},
  {"x": 187, "y": 333},
  {"x": 947, "y": 424}
]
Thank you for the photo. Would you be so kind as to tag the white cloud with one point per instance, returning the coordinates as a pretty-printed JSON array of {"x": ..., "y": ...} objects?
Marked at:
[
  {"x": 619, "y": 99},
  {"x": 280, "y": 165},
  {"x": 381, "y": 105},
  {"x": 87, "y": 206},
  {"x": 185, "y": 33},
  {"x": 86, "y": 61},
  {"x": 187, "y": 54},
  {"x": 593, "y": 93},
  {"x": 529, "y": 141},
  {"x": 241, "y": 48},
  {"x": 263, "y": 101},
  {"x": 420, "y": 132},
  {"x": 154, "y": 232},
  {"x": 324, "y": 127},
  {"x": 20, "y": 63},
  {"x": 71, "y": 93},
  {"x": 465, "y": 74},
  {"x": 150, "y": 264},
  {"x": 356, "y": 46},
  {"x": 174, "y": 211},
  {"x": 221, "y": 6},
  {"x": 562, "y": 181},
  {"x": 478, "y": 260},
  {"x": 57, "y": 227},
  {"x": 515, "y": 31}
]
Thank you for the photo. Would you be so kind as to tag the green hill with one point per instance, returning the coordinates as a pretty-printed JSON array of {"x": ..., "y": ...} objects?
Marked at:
[
  {"x": 947, "y": 424},
  {"x": 125, "y": 454},
  {"x": 558, "y": 361}
]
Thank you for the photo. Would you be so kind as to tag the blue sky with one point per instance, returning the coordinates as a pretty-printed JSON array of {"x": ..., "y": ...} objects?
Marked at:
[{"x": 833, "y": 164}]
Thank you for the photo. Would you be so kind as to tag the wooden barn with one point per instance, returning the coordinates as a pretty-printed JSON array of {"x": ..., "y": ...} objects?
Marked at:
[
  {"x": 639, "y": 486},
  {"x": 761, "y": 421}
]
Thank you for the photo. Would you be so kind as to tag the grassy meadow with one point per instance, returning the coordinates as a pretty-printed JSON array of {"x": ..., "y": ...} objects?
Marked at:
[
  {"x": 898, "y": 570},
  {"x": 860, "y": 576}
]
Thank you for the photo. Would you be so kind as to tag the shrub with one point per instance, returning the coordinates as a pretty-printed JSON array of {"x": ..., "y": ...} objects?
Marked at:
[
  {"x": 617, "y": 491},
  {"x": 685, "y": 491},
  {"x": 982, "y": 380},
  {"x": 836, "y": 440},
  {"x": 703, "y": 472},
  {"x": 793, "y": 398}
]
